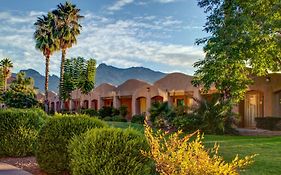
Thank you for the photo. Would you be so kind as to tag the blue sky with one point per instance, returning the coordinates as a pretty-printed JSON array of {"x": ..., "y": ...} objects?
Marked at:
[{"x": 157, "y": 34}]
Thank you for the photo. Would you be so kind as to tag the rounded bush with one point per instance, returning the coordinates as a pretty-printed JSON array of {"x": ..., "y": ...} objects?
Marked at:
[
  {"x": 54, "y": 137},
  {"x": 18, "y": 131},
  {"x": 138, "y": 119},
  {"x": 109, "y": 151}
]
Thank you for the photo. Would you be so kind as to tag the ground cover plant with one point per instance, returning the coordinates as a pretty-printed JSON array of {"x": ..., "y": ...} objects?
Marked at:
[{"x": 54, "y": 137}]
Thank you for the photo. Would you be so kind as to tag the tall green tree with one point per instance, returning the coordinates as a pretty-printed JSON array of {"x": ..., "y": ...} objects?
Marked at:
[
  {"x": 244, "y": 41},
  {"x": 47, "y": 44},
  {"x": 6, "y": 66},
  {"x": 67, "y": 29},
  {"x": 78, "y": 74}
]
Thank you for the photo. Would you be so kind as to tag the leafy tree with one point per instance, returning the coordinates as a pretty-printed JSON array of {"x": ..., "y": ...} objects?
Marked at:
[
  {"x": 46, "y": 43},
  {"x": 78, "y": 74},
  {"x": 6, "y": 66},
  {"x": 244, "y": 41},
  {"x": 21, "y": 93},
  {"x": 67, "y": 18}
]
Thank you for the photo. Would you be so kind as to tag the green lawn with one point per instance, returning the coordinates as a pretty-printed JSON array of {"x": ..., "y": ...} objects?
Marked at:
[{"x": 268, "y": 161}]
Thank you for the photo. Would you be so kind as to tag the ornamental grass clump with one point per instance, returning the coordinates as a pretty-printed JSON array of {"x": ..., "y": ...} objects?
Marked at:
[{"x": 176, "y": 155}]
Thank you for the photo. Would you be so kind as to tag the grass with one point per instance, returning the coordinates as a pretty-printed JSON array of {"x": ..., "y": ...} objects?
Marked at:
[{"x": 267, "y": 162}]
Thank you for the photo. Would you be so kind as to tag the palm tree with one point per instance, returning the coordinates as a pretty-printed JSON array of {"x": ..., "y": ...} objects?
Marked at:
[
  {"x": 46, "y": 43},
  {"x": 67, "y": 29},
  {"x": 6, "y": 65}
]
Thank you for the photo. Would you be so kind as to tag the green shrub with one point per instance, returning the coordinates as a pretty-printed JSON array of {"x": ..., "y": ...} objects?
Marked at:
[
  {"x": 269, "y": 123},
  {"x": 90, "y": 112},
  {"x": 118, "y": 118},
  {"x": 188, "y": 122},
  {"x": 54, "y": 137},
  {"x": 109, "y": 151},
  {"x": 123, "y": 111},
  {"x": 108, "y": 111},
  {"x": 107, "y": 118},
  {"x": 138, "y": 119},
  {"x": 19, "y": 129}
]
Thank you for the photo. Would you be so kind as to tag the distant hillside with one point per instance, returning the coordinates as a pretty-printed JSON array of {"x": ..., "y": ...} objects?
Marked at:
[{"x": 105, "y": 74}]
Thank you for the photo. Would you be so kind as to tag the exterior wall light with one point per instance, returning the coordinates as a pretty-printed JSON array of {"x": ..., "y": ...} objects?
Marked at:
[{"x": 268, "y": 79}]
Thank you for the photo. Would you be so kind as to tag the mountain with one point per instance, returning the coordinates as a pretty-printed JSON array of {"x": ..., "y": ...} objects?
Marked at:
[
  {"x": 39, "y": 80},
  {"x": 104, "y": 74}
]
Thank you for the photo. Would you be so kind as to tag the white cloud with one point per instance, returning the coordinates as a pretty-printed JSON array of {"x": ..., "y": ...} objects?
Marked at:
[
  {"x": 121, "y": 43},
  {"x": 119, "y": 5},
  {"x": 165, "y": 1}
]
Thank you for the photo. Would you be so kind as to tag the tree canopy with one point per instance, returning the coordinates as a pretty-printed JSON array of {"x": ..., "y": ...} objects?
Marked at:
[
  {"x": 21, "y": 93},
  {"x": 78, "y": 74},
  {"x": 244, "y": 41}
]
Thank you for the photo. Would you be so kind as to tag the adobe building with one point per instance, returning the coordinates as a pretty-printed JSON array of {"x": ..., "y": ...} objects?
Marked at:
[{"x": 263, "y": 98}]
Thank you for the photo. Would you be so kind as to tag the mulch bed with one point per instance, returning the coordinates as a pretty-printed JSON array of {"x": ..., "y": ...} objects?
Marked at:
[{"x": 28, "y": 164}]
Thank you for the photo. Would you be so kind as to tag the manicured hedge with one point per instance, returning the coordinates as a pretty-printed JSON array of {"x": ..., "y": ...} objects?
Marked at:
[
  {"x": 54, "y": 137},
  {"x": 109, "y": 151},
  {"x": 269, "y": 123},
  {"x": 18, "y": 131}
]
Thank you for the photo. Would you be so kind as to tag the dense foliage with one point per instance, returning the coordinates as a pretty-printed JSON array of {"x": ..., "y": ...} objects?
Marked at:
[
  {"x": 54, "y": 137},
  {"x": 21, "y": 93},
  {"x": 176, "y": 155},
  {"x": 244, "y": 40},
  {"x": 138, "y": 119},
  {"x": 109, "y": 151},
  {"x": 19, "y": 129},
  {"x": 78, "y": 74}
]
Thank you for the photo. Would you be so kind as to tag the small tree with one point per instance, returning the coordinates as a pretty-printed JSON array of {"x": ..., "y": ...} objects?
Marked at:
[{"x": 21, "y": 93}]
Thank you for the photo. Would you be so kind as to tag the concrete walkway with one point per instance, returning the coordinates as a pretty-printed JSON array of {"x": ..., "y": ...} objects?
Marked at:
[
  {"x": 257, "y": 132},
  {"x": 6, "y": 169}
]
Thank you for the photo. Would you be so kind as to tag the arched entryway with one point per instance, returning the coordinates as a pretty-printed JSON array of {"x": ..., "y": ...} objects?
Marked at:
[
  {"x": 85, "y": 104},
  {"x": 57, "y": 106},
  {"x": 94, "y": 104},
  {"x": 52, "y": 107},
  {"x": 157, "y": 99},
  {"x": 251, "y": 107},
  {"x": 141, "y": 105}
]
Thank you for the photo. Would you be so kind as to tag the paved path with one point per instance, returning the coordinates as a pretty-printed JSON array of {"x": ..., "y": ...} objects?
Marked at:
[
  {"x": 257, "y": 132},
  {"x": 6, "y": 169}
]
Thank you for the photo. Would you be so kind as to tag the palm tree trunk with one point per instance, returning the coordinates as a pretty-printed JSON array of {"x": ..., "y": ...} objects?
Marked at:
[
  {"x": 47, "y": 83},
  {"x": 63, "y": 53},
  {"x": 5, "y": 82}
]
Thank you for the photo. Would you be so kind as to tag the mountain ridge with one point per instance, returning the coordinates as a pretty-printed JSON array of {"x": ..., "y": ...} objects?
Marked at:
[{"x": 104, "y": 74}]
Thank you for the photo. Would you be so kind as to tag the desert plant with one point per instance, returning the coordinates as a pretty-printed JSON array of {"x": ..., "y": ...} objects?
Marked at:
[
  {"x": 109, "y": 151},
  {"x": 54, "y": 137},
  {"x": 177, "y": 155},
  {"x": 19, "y": 129}
]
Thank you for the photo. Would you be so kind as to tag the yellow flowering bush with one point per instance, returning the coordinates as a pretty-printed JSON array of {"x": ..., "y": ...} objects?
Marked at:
[{"x": 177, "y": 155}]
